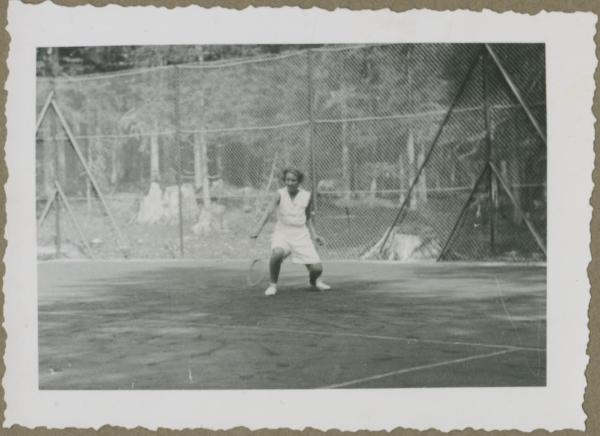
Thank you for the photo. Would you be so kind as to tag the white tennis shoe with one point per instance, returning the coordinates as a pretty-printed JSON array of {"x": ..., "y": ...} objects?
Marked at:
[
  {"x": 271, "y": 290},
  {"x": 322, "y": 286}
]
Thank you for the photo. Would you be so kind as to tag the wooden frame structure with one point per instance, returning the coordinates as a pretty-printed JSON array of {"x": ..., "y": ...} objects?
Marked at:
[
  {"x": 58, "y": 194},
  {"x": 493, "y": 175}
]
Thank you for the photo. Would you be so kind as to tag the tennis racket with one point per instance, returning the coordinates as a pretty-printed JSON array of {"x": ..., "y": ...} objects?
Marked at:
[{"x": 258, "y": 268}]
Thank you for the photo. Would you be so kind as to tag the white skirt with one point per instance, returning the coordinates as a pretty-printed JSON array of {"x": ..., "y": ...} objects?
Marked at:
[{"x": 295, "y": 242}]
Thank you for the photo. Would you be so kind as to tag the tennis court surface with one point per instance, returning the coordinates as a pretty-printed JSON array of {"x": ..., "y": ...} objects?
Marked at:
[{"x": 197, "y": 325}]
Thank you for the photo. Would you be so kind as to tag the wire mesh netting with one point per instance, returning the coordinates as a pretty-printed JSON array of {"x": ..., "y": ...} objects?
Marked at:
[{"x": 412, "y": 151}]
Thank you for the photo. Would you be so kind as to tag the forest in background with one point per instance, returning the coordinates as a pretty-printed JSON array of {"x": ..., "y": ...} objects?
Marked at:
[
  {"x": 74, "y": 61},
  {"x": 228, "y": 116}
]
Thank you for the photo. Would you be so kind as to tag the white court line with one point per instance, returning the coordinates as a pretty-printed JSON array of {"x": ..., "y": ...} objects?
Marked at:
[
  {"x": 433, "y": 262},
  {"x": 416, "y": 368},
  {"x": 199, "y": 261},
  {"x": 366, "y": 336}
]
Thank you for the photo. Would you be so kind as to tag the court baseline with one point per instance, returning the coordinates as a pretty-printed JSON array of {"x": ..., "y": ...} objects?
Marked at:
[
  {"x": 417, "y": 368},
  {"x": 367, "y": 336}
]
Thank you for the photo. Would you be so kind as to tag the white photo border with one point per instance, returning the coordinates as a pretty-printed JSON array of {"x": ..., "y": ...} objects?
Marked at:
[{"x": 571, "y": 63}]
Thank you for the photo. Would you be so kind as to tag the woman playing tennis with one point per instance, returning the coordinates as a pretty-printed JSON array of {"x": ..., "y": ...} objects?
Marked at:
[{"x": 294, "y": 231}]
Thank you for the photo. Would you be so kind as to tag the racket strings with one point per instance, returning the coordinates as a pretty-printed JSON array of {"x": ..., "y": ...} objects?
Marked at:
[{"x": 258, "y": 268}]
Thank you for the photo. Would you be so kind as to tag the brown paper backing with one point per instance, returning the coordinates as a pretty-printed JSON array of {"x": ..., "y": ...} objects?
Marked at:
[{"x": 591, "y": 403}]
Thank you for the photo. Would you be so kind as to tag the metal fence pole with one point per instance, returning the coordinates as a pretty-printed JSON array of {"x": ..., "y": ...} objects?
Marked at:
[
  {"x": 54, "y": 140},
  {"x": 177, "y": 114},
  {"x": 313, "y": 172},
  {"x": 489, "y": 153}
]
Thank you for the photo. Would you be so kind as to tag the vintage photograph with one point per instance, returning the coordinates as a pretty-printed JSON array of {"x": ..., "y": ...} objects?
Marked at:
[
  {"x": 300, "y": 216},
  {"x": 262, "y": 218}
]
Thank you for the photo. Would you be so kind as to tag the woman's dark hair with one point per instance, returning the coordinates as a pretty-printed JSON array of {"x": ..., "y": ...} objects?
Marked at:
[{"x": 299, "y": 174}]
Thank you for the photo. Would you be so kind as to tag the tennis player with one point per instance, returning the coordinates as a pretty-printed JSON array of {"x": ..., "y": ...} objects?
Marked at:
[{"x": 294, "y": 233}]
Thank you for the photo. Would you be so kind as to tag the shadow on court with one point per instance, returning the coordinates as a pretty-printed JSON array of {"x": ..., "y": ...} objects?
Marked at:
[{"x": 197, "y": 325}]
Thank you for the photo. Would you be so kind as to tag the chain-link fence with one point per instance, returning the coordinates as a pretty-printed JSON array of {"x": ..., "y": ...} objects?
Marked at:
[{"x": 412, "y": 151}]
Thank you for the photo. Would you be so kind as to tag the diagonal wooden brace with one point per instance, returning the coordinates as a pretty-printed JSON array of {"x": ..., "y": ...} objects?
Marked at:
[
  {"x": 89, "y": 173},
  {"x": 528, "y": 223},
  {"x": 63, "y": 197},
  {"x": 516, "y": 92},
  {"x": 44, "y": 214},
  {"x": 42, "y": 114}
]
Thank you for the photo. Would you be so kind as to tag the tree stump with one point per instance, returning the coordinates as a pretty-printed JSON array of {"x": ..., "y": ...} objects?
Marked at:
[
  {"x": 151, "y": 209},
  {"x": 210, "y": 220},
  {"x": 404, "y": 248},
  {"x": 189, "y": 208}
]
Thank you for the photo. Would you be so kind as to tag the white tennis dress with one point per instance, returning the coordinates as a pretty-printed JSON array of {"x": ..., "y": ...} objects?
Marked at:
[{"x": 291, "y": 233}]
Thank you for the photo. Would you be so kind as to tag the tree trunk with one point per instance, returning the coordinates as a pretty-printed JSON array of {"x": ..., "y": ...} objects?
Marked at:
[
  {"x": 410, "y": 150},
  {"x": 401, "y": 177},
  {"x": 204, "y": 169},
  {"x": 114, "y": 173},
  {"x": 219, "y": 158},
  {"x": 151, "y": 210},
  {"x": 211, "y": 217},
  {"x": 422, "y": 180},
  {"x": 373, "y": 189},
  {"x": 346, "y": 163},
  {"x": 410, "y": 146},
  {"x": 197, "y": 163},
  {"x": 88, "y": 182},
  {"x": 514, "y": 181},
  {"x": 345, "y": 166},
  {"x": 154, "y": 155},
  {"x": 352, "y": 167},
  {"x": 197, "y": 144}
]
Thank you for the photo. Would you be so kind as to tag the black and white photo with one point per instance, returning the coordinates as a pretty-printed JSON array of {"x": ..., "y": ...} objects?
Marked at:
[{"x": 392, "y": 220}]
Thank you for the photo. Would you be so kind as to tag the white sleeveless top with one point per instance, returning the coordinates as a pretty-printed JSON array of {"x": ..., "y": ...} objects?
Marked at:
[{"x": 292, "y": 212}]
